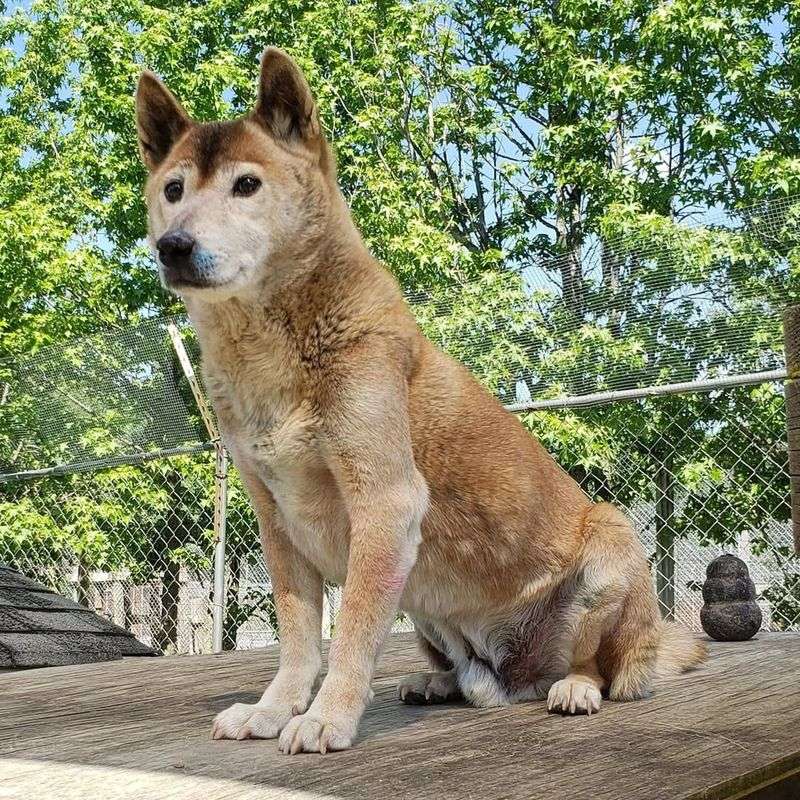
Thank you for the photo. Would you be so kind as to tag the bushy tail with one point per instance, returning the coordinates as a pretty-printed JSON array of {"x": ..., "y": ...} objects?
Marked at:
[{"x": 678, "y": 650}]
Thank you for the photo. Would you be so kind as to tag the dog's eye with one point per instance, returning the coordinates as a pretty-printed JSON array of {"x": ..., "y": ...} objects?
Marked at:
[
  {"x": 173, "y": 191},
  {"x": 246, "y": 185}
]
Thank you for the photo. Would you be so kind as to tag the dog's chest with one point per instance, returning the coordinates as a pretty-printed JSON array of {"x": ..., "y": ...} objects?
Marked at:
[
  {"x": 273, "y": 430},
  {"x": 257, "y": 384},
  {"x": 283, "y": 439}
]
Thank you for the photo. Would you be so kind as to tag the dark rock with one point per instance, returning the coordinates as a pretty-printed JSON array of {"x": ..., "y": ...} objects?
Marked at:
[
  {"x": 12, "y": 578},
  {"x": 26, "y": 650},
  {"x": 131, "y": 646},
  {"x": 78, "y": 621},
  {"x": 733, "y": 621},
  {"x": 24, "y": 599},
  {"x": 730, "y": 613},
  {"x": 726, "y": 566}
]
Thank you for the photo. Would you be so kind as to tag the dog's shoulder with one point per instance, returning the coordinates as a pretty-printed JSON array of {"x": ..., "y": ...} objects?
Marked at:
[{"x": 353, "y": 314}]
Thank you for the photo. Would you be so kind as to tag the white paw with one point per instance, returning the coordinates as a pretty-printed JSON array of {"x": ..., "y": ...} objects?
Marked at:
[
  {"x": 244, "y": 721},
  {"x": 571, "y": 696},
  {"x": 422, "y": 688},
  {"x": 310, "y": 733}
]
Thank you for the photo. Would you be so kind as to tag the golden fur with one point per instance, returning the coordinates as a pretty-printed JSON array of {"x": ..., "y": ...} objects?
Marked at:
[{"x": 374, "y": 460}]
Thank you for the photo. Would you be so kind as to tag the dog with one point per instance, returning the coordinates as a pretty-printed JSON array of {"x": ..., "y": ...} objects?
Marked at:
[{"x": 372, "y": 459}]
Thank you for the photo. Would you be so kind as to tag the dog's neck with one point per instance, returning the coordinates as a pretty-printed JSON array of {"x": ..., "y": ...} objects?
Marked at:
[{"x": 331, "y": 269}]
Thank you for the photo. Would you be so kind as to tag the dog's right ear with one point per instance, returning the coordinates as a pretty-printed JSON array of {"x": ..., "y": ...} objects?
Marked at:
[{"x": 160, "y": 120}]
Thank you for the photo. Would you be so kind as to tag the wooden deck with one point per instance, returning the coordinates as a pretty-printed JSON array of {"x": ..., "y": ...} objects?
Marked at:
[{"x": 139, "y": 730}]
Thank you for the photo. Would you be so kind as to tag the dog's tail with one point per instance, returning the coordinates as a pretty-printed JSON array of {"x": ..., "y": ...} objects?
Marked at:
[{"x": 678, "y": 650}]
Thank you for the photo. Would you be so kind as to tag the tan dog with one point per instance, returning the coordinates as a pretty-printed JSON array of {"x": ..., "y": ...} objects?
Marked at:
[{"x": 372, "y": 459}]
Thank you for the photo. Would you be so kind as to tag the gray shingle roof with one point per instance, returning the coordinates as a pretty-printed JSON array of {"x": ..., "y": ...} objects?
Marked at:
[{"x": 39, "y": 628}]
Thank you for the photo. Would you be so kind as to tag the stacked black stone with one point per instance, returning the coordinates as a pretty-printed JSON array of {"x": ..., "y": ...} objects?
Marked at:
[{"x": 730, "y": 613}]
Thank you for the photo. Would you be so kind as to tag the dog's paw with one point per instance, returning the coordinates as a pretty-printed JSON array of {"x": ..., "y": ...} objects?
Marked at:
[
  {"x": 312, "y": 733},
  {"x": 244, "y": 721},
  {"x": 423, "y": 688},
  {"x": 573, "y": 696}
]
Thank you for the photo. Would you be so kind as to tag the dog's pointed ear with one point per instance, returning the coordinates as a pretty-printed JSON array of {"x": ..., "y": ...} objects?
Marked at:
[
  {"x": 285, "y": 106},
  {"x": 160, "y": 120}
]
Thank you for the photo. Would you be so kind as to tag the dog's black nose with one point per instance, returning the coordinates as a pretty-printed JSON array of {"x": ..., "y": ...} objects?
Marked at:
[{"x": 175, "y": 248}]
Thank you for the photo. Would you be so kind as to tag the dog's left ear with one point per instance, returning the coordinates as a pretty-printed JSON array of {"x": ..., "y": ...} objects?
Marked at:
[{"x": 285, "y": 106}]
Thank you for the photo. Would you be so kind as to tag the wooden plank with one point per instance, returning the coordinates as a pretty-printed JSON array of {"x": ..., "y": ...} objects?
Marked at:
[{"x": 140, "y": 727}]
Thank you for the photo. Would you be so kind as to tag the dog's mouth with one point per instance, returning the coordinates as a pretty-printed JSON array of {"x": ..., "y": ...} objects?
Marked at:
[
  {"x": 190, "y": 282},
  {"x": 188, "y": 267},
  {"x": 183, "y": 277}
]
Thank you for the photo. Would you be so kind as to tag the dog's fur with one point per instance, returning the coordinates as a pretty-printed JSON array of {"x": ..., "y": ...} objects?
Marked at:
[{"x": 374, "y": 460}]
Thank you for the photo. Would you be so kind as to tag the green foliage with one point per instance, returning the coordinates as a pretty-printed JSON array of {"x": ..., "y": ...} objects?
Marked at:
[
  {"x": 524, "y": 170},
  {"x": 126, "y": 518}
]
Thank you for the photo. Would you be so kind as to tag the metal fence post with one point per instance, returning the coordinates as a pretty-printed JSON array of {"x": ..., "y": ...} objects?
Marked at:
[
  {"x": 220, "y": 490},
  {"x": 791, "y": 337},
  {"x": 220, "y": 531}
]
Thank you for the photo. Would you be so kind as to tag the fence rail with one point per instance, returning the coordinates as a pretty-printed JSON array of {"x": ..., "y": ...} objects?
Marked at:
[
  {"x": 126, "y": 459},
  {"x": 687, "y": 387}
]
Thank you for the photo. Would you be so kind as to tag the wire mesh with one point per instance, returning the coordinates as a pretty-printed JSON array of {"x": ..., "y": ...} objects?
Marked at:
[
  {"x": 133, "y": 542},
  {"x": 651, "y": 303},
  {"x": 112, "y": 395},
  {"x": 699, "y": 474},
  {"x": 107, "y": 484}
]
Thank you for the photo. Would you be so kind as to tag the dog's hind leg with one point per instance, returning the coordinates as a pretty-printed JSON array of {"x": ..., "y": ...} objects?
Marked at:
[
  {"x": 614, "y": 632},
  {"x": 440, "y": 686},
  {"x": 628, "y": 648},
  {"x": 470, "y": 676},
  {"x": 628, "y": 654},
  {"x": 433, "y": 647},
  {"x": 475, "y": 672},
  {"x": 581, "y": 690}
]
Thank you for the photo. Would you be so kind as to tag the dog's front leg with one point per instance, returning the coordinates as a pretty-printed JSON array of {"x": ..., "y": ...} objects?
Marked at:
[
  {"x": 386, "y": 496},
  {"x": 297, "y": 591}
]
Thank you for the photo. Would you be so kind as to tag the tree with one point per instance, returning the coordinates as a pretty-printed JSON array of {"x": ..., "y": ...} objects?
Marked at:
[{"x": 523, "y": 168}]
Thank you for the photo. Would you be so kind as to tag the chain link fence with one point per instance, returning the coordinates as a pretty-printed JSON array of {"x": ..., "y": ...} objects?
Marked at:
[
  {"x": 662, "y": 393},
  {"x": 700, "y": 473}
]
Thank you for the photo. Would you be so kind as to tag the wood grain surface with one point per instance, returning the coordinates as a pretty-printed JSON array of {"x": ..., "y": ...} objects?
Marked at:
[{"x": 139, "y": 729}]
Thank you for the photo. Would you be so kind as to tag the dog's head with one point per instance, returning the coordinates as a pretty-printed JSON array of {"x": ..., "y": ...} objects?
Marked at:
[{"x": 232, "y": 204}]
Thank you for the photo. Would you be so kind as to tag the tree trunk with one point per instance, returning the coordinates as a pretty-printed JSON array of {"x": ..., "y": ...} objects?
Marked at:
[
  {"x": 177, "y": 521},
  {"x": 232, "y": 609},
  {"x": 167, "y": 636},
  {"x": 610, "y": 260},
  {"x": 84, "y": 587},
  {"x": 568, "y": 238},
  {"x": 791, "y": 333},
  {"x": 665, "y": 538},
  {"x": 127, "y": 606}
]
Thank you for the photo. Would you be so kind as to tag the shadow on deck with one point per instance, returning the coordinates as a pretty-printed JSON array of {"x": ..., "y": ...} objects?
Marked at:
[{"x": 139, "y": 729}]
